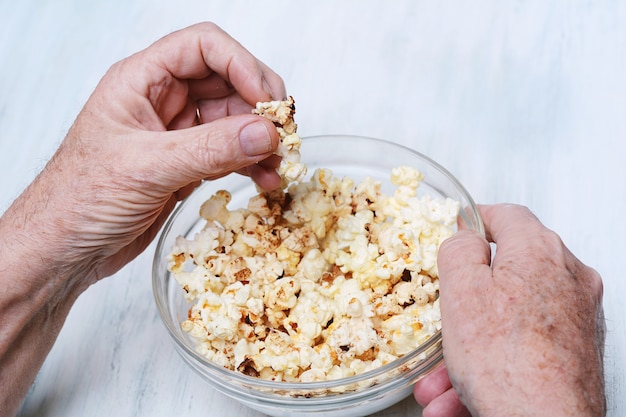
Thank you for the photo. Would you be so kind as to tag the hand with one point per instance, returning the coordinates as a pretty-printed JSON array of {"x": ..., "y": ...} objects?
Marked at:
[
  {"x": 136, "y": 147},
  {"x": 522, "y": 334},
  {"x": 157, "y": 124}
]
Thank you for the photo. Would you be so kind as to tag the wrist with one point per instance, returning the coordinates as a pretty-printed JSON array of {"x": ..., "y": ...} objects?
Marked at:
[{"x": 35, "y": 254}]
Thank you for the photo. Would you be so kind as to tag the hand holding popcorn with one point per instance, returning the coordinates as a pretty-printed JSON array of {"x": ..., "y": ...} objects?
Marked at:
[{"x": 157, "y": 124}]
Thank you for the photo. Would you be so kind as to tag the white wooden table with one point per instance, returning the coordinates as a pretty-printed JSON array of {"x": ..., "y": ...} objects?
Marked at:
[{"x": 523, "y": 101}]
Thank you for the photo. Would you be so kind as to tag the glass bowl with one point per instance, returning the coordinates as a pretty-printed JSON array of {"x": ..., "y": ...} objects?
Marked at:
[{"x": 363, "y": 394}]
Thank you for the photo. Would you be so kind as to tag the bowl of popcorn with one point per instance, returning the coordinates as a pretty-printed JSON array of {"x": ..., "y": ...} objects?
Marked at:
[{"x": 320, "y": 298}]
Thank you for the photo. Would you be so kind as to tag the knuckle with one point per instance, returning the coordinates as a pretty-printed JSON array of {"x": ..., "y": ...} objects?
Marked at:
[{"x": 595, "y": 282}]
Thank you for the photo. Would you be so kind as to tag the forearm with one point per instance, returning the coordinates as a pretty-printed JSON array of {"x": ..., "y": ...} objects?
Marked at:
[
  {"x": 28, "y": 331},
  {"x": 38, "y": 290}
]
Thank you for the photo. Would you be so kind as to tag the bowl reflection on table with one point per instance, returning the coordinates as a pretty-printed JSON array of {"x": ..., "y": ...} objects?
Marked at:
[{"x": 363, "y": 394}]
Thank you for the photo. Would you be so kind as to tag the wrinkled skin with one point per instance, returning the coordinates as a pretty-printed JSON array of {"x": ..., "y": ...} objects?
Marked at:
[
  {"x": 523, "y": 335},
  {"x": 158, "y": 123}
]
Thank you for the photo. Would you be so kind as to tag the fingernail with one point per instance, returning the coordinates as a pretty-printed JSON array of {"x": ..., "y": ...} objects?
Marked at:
[{"x": 255, "y": 139}]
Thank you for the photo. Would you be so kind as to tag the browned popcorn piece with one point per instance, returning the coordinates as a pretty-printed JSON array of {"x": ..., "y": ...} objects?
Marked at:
[{"x": 281, "y": 113}]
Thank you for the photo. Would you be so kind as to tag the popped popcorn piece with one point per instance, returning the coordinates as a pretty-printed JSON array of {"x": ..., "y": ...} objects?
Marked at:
[
  {"x": 325, "y": 279},
  {"x": 281, "y": 113}
]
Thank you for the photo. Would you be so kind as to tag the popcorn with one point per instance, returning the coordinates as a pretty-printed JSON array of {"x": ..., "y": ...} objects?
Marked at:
[
  {"x": 281, "y": 113},
  {"x": 324, "y": 279}
]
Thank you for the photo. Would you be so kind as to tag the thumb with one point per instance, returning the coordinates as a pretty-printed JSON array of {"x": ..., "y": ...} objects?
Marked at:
[{"x": 212, "y": 150}]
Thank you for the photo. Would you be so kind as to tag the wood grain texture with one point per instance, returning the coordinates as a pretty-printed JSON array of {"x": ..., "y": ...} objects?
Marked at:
[{"x": 523, "y": 101}]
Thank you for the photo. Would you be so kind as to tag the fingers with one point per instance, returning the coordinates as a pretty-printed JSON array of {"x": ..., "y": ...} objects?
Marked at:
[
  {"x": 185, "y": 70},
  {"x": 520, "y": 236},
  {"x": 432, "y": 386},
  {"x": 211, "y": 150},
  {"x": 161, "y": 87},
  {"x": 460, "y": 255},
  {"x": 215, "y": 98},
  {"x": 186, "y": 118},
  {"x": 265, "y": 177},
  {"x": 197, "y": 51},
  {"x": 435, "y": 393},
  {"x": 209, "y": 88},
  {"x": 447, "y": 404},
  {"x": 463, "y": 263},
  {"x": 508, "y": 221},
  {"x": 215, "y": 109},
  {"x": 273, "y": 82}
]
